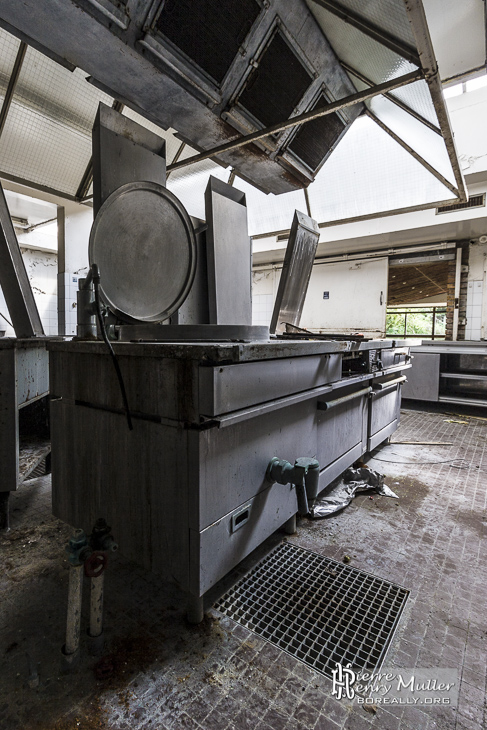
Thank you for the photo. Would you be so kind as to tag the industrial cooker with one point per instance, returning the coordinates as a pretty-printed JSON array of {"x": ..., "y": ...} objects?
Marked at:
[{"x": 212, "y": 402}]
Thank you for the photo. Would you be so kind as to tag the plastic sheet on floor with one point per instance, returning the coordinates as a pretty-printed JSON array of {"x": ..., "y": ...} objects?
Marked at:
[{"x": 352, "y": 482}]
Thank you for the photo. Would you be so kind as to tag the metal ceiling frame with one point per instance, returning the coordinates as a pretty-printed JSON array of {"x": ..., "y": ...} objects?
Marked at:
[
  {"x": 12, "y": 83},
  {"x": 299, "y": 119},
  {"x": 360, "y": 218},
  {"x": 413, "y": 153},
  {"x": 373, "y": 31},
  {"x": 424, "y": 45},
  {"x": 349, "y": 69},
  {"x": 15, "y": 283}
]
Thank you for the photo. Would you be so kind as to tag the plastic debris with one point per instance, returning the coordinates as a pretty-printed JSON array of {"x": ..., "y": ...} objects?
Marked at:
[{"x": 341, "y": 493}]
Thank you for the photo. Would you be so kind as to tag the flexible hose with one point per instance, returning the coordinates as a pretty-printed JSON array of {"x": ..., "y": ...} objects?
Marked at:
[{"x": 96, "y": 284}]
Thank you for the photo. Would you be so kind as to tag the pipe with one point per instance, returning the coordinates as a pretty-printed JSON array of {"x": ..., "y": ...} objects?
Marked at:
[
  {"x": 321, "y": 111},
  {"x": 86, "y": 313},
  {"x": 78, "y": 551},
  {"x": 73, "y": 622},
  {"x": 304, "y": 474},
  {"x": 95, "y": 632}
]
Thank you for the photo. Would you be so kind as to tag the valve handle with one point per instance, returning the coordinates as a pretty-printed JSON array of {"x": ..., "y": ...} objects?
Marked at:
[{"x": 96, "y": 564}]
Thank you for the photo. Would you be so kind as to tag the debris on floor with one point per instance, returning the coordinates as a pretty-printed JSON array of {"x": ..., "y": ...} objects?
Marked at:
[{"x": 352, "y": 482}]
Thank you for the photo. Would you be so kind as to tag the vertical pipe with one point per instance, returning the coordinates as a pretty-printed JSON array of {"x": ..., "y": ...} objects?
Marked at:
[
  {"x": 96, "y": 606},
  {"x": 73, "y": 623},
  {"x": 458, "y": 272}
]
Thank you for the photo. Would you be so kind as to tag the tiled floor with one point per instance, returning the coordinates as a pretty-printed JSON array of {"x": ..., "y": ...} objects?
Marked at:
[{"x": 163, "y": 674}]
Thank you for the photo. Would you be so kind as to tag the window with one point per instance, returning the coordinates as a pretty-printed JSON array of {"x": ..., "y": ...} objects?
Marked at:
[{"x": 428, "y": 322}]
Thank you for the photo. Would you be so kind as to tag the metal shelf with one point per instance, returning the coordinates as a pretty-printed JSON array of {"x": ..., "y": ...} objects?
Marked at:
[
  {"x": 464, "y": 376},
  {"x": 462, "y": 401}
]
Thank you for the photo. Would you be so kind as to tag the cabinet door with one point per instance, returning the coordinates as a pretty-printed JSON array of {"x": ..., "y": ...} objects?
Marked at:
[
  {"x": 384, "y": 412},
  {"x": 423, "y": 377}
]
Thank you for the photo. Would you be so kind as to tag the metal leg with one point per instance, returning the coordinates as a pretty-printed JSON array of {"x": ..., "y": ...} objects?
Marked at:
[
  {"x": 4, "y": 511},
  {"x": 95, "y": 634},
  {"x": 73, "y": 623},
  {"x": 195, "y": 610},
  {"x": 290, "y": 526}
]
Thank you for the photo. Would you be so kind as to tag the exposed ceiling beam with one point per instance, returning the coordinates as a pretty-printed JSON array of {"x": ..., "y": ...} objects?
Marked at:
[
  {"x": 373, "y": 31},
  {"x": 14, "y": 77},
  {"x": 392, "y": 98},
  {"x": 424, "y": 44},
  {"x": 37, "y": 186},
  {"x": 414, "y": 154},
  {"x": 86, "y": 181},
  {"x": 322, "y": 111},
  {"x": 177, "y": 156},
  {"x": 35, "y": 44}
]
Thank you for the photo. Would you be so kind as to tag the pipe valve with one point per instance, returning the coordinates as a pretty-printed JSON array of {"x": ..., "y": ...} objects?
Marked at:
[{"x": 304, "y": 474}]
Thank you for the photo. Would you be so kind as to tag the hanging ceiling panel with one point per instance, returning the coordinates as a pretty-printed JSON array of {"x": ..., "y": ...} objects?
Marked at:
[
  {"x": 47, "y": 136},
  {"x": 38, "y": 149},
  {"x": 423, "y": 140},
  {"x": 9, "y": 47},
  {"x": 417, "y": 97},
  {"x": 358, "y": 50},
  {"x": 48, "y": 88},
  {"x": 370, "y": 173},
  {"x": 388, "y": 15},
  {"x": 377, "y": 63}
]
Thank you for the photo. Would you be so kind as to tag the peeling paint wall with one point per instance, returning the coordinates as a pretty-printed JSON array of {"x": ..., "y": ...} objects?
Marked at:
[{"x": 41, "y": 269}]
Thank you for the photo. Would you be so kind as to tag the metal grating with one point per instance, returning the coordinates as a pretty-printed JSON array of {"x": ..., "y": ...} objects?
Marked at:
[
  {"x": 314, "y": 140},
  {"x": 275, "y": 87},
  {"x": 209, "y": 32},
  {"x": 319, "y": 611}
]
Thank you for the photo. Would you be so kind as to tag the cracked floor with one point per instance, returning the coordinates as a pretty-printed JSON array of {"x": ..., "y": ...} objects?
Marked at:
[{"x": 159, "y": 673}]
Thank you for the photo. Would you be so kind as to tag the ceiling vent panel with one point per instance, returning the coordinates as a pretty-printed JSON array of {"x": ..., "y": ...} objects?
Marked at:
[
  {"x": 314, "y": 140},
  {"x": 475, "y": 201},
  {"x": 277, "y": 85},
  {"x": 209, "y": 32}
]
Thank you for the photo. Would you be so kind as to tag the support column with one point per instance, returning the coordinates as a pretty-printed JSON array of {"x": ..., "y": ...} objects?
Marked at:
[{"x": 74, "y": 225}]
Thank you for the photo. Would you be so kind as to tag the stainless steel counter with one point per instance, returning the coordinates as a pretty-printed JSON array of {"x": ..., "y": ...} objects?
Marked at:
[
  {"x": 450, "y": 372},
  {"x": 208, "y": 418}
]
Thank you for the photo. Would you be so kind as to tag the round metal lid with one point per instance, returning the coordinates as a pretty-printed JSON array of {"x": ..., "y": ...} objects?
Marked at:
[{"x": 144, "y": 245}]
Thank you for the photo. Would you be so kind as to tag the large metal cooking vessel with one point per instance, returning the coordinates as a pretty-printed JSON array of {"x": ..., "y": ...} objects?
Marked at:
[{"x": 144, "y": 244}]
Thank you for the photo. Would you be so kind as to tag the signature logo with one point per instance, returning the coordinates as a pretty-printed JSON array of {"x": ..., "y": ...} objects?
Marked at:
[{"x": 343, "y": 678}]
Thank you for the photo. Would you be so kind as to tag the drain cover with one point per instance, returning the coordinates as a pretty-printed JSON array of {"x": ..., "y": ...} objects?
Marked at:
[{"x": 320, "y": 611}]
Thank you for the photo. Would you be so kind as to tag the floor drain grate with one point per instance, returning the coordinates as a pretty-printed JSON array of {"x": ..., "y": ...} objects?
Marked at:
[{"x": 320, "y": 611}]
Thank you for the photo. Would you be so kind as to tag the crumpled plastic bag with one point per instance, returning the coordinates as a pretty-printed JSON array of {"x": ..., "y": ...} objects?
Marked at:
[{"x": 352, "y": 482}]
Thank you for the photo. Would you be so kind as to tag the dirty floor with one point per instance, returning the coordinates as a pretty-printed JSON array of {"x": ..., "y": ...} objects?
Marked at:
[{"x": 159, "y": 673}]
